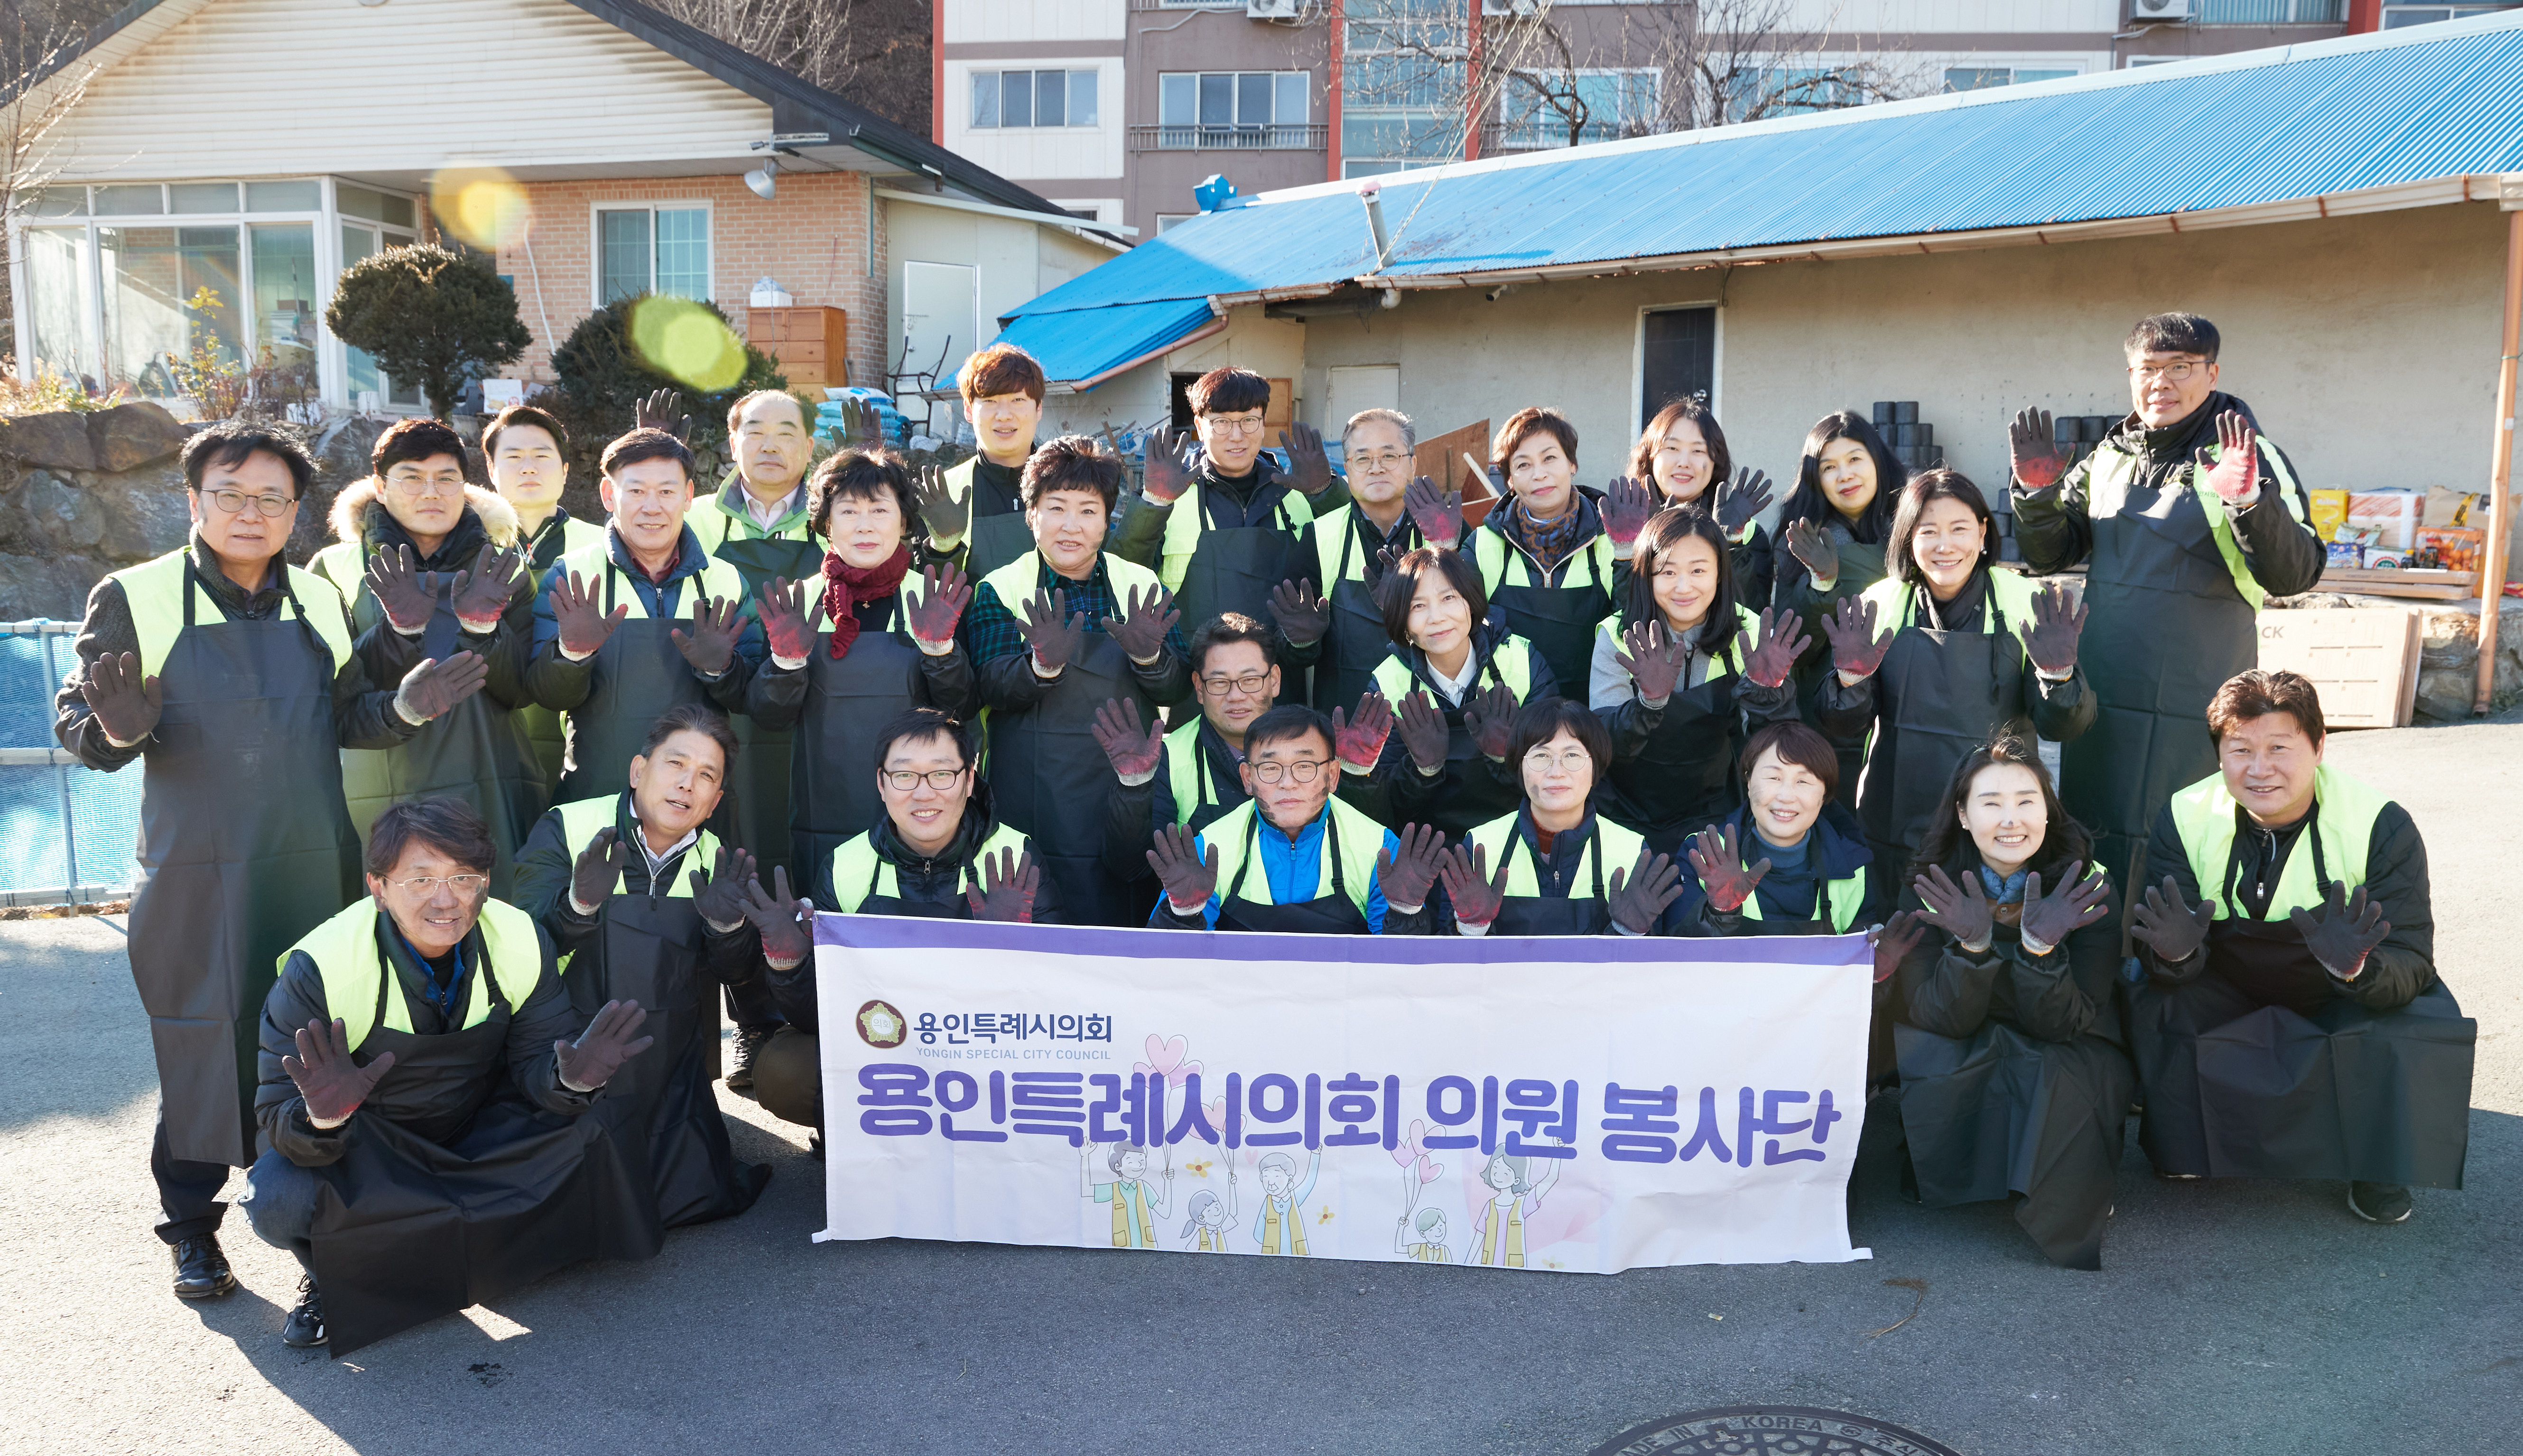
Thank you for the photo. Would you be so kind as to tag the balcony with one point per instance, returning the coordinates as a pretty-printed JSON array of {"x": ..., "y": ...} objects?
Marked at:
[{"x": 1227, "y": 138}]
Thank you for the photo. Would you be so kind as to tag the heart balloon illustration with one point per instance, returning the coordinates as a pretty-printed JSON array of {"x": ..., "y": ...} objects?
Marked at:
[
  {"x": 1407, "y": 1152},
  {"x": 1429, "y": 1171},
  {"x": 1166, "y": 1059}
]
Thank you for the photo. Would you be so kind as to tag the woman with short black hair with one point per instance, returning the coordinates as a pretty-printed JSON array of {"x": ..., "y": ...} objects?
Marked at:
[{"x": 1455, "y": 678}]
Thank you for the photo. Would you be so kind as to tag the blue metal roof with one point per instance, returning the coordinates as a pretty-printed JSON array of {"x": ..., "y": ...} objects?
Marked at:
[
  {"x": 1092, "y": 343},
  {"x": 2336, "y": 116}
]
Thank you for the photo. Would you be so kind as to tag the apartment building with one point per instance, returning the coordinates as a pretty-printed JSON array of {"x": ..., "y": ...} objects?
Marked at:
[{"x": 1118, "y": 109}]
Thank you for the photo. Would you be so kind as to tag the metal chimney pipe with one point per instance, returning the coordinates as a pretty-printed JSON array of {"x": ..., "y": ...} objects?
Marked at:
[{"x": 1371, "y": 192}]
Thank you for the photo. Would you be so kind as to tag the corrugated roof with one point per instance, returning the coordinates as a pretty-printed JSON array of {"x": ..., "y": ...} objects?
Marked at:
[
  {"x": 1089, "y": 344},
  {"x": 2279, "y": 126}
]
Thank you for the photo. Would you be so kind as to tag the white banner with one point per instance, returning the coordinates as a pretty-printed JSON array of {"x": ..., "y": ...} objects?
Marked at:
[{"x": 1581, "y": 1104}]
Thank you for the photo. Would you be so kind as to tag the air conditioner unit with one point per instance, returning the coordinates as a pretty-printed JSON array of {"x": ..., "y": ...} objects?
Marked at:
[
  {"x": 1272, "y": 10},
  {"x": 2142, "y": 11}
]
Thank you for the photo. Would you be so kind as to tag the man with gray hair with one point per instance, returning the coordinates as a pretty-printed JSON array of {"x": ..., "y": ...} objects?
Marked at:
[{"x": 1349, "y": 550}]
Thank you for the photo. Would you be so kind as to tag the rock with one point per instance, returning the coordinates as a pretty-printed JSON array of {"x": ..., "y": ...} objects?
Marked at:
[
  {"x": 46, "y": 586},
  {"x": 131, "y": 436},
  {"x": 56, "y": 439},
  {"x": 146, "y": 513},
  {"x": 61, "y": 513}
]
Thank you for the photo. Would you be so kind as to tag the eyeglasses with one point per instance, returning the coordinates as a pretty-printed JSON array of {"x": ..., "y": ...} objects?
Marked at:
[
  {"x": 1302, "y": 771},
  {"x": 424, "y": 485},
  {"x": 1249, "y": 685},
  {"x": 427, "y": 884},
  {"x": 904, "y": 780},
  {"x": 2178, "y": 371},
  {"x": 232, "y": 502},
  {"x": 1235, "y": 424},
  {"x": 1378, "y": 459},
  {"x": 1572, "y": 760}
]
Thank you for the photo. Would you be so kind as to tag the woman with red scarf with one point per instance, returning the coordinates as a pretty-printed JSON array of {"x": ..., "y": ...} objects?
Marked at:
[{"x": 854, "y": 649}]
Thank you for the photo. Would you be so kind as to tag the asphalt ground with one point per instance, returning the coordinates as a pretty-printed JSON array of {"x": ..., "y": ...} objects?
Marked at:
[{"x": 2229, "y": 1317}]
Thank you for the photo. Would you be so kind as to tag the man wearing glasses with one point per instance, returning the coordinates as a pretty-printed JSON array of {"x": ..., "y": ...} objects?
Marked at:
[
  {"x": 938, "y": 854},
  {"x": 209, "y": 659},
  {"x": 1350, "y": 546},
  {"x": 1225, "y": 529},
  {"x": 1293, "y": 858},
  {"x": 2188, "y": 519}
]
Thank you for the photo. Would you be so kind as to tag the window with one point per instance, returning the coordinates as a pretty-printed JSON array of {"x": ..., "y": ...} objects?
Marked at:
[
  {"x": 2397, "y": 16},
  {"x": 1251, "y": 109},
  {"x": 2269, "y": 12},
  {"x": 1167, "y": 219},
  {"x": 652, "y": 249},
  {"x": 1982, "y": 77},
  {"x": 1792, "y": 90},
  {"x": 1677, "y": 357},
  {"x": 1403, "y": 84},
  {"x": 1033, "y": 98},
  {"x": 1542, "y": 108}
]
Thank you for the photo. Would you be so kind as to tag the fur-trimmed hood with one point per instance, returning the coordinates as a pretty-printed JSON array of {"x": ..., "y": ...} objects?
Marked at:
[{"x": 351, "y": 513}]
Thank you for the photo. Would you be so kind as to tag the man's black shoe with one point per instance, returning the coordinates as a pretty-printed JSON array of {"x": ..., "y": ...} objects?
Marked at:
[
  {"x": 200, "y": 1269},
  {"x": 303, "y": 1330},
  {"x": 749, "y": 1038},
  {"x": 2378, "y": 1202}
]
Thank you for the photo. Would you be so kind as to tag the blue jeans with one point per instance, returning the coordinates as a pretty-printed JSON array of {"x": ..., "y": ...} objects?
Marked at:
[{"x": 280, "y": 1202}]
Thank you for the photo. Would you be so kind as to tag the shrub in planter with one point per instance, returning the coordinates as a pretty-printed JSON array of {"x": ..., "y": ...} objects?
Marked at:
[{"x": 429, "y": 314}]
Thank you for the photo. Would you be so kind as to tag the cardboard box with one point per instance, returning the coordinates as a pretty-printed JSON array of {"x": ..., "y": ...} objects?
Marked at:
[
  {"x": 2394, "y": 515},
  {"x": 2365, "y": 660},
  {"x": 2329, "y": 513},
  {"x": 2457, "y": 547}
]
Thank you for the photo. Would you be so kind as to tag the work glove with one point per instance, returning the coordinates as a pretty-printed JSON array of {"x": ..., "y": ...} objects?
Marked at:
[
  {"x": 1424, "y": 734},
  {"x": 1740, "y": 499},
  {"x": 1302, "y": 616},
  {"x": 327, "y": 1080},
  {"x": 719, "y": 896},
  {"x": 783, "y": 920},
  {"x": 2164, "y": 924},
  {"x": 432, "y": 686},
  {"x": 126, "y": 705},
  {"x": 1855, "y": 649},
  {"x": 944, "y": 593},
  {"x": 1143, "y": 624},
  {"x": 583, "y": 625},
  {"x": 1961, "y": 911},
  {"x": 2343, "y": 932},
  {"x": 1653, "y": 658},
  {"x": 1009, "y": 881},
  {"x": 1782, "y": 641},
  {"x": 1628, "y": 503},
  {"x": 1437, "y": 514},
  {"x": 1310, "y": 467},
  {"x": 1638, "y": 896},
  {"x": 480, "y": 594},
  {"x": 1359, "y": 742},
  {"x": 590, "y": 1061},
  {"x": 2058, "y": 620},
  {"x": 1188, "y": 871},
  {"x": 791, "y": 617},
  {"x": 1407, "y": 872},
  {"x": 2080, "y": 899},
  {"x": 1893, "y": 941},
  {"x": 1476, "y": 895},
  {"x": 1054, "y": 634},
  {"x": 2032, "y": 453},
  {"x": 946, "y": 518},
  {"x": 1489, "y": 716},
  {"x": 662, "y": 410},
  {"x": 596, "y": 870},
  {"x": 1718, "y": 860},
  {"x": 407, "y": 596},
  {"x": 710, "y": 646},
  {"x": 1133, "y": 757},
  {"x": 2234, "y": 471},
  {"x": 1166, "y": 473}
]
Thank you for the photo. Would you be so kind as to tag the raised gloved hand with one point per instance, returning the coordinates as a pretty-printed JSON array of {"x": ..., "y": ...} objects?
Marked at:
[
  {"x": 1407, "y": 872},
  {"x": 1489, "y": 716},
  {"x": 785, "y": 921},
  {"x": 1639, "y": 896},
  {"x": 710, "y": 646},
  {"x": 1168, "y": 471},
  {"x": 944, "y": 593},
  {"x": 1855, "y": 649},
  {"x": 1424, "y": 734},
  {"x": 407, "y": 596},
  {"x": 1357, "y": 742},
  {"x": 1961, "y": 911},
  {"x": 662, "y": 410},
  {"x": 1437, "y": 514},
  {"x": 1627, "y": 503},
  {"x": 584, "y": 624},
  {"x": 598, "y": 869},
  {"x": 1805, "y": 541},
  {"x": 1188, "y": 870},
  {"x": 480, "y": 594},
  {"x": 2164, "y": 924},
  {"x": 1476, "y": 895},
  {"x": 1302, "y": 616},
  {"x": 2081, "y": 899},
  {"x": 600, "y": 1050},
  {"x": 1782, "y": 641},
  {"x": 1893, "y": 941},
  {"x": 1309, "y": 466},
  {"x": 718, "y": 896},
  {"x": 2234, "y": 471},
  {"x": 2057, "y": 619},
  {"x": 331, "y": 1085},
  {"x": 1143, "y": 624},
  {"x": 1740, "y": 499},
  {"x": 1131, "y": 754},
  {"x": 1717, "y": 857},
  {"x": 791, "y": 617},
  {"x": 1653, "y": 658},
  {"x": 432, "y": 686},
  {"x": 1009, "y": 882},
  {"x": 126, "y": 705},
  {"x": 2034, "y": 455},
  {"x": 1054, "y": 634},
  {"x": 946, "y": 517},
  {"x": 2343, "y": 932}
]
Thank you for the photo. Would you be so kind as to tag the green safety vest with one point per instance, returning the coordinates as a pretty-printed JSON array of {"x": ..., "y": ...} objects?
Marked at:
[
  {"x": 1187, "y": 773},
  {"x": 2344, "y": 814},
  {"x": 1896, "y": 606},
  {"x": 1017, "y": 582},
  {"x": 345, "y": 952},
  {"x": 1511, "y": 664},
  {"x": 2110, "y": 463},
  {"x": 1610, "y": 847},
  {"x": 1843, "y": 898},
  {"x": 716, "y": 579},
  {"x": 583, "y": 820},
  {"x": 860, "y": 873},
  {"x": 713, "y": 523},
  {"x": 1184, "y": 529},
  {"x": 1361, "y": 840},
  {"x": 576, "y": 534},
  {"x": 1722, "y": 665},
  {"x": 154, "y": 592},
  {"x": 1333, "y": 536},
  {"x": 1502, "y": 564}
]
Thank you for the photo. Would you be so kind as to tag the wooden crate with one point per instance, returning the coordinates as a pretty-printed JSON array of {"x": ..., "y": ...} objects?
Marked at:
[
  {"x": 1440, "y": 459},
  {"x": 811, "y": 344},
  {"x": 2423, "y": 585},
  {"x": 2364, "y": 658}
]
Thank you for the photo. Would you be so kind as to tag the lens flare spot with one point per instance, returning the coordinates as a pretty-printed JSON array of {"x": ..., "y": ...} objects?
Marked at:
[
  {"x": 479, "y": 205},
  {"x": 686, "y": 343}
]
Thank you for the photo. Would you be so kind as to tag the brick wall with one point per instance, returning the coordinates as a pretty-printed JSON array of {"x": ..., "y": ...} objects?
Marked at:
[{"x": 812, "y": 236}]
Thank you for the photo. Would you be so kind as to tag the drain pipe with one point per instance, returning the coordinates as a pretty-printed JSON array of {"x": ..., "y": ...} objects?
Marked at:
[{"x": 2501, "y": 460}]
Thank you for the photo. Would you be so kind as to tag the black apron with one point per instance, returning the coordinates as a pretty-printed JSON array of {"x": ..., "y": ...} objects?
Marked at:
[
  {"x": 758, "y": 784},
  {"x": 1683, "y": 779},
  {"x": 245, "y": 846},
  {"x": 1939, "y": 694},
  {"x": 1468, "y": 794},
  {"x": 450, "y": 1192},
  {"x": 638, "y": 673},
  {"x": 1233, "y": 569},
  {"x": 1050, "y": 780},
  {"x": 1329, "y": 915},
  {"x": 1860, "y": 566},
  {"x": 1355, "y": 644},
  {"x": 2260, "y": 1069},
  {"x": 1559, "y": 622},
  {"x": 1542, "y": 915},
  {"x": 833, "y": 767},
  {"x": 2166, "y": 629},
  {"x": 993, "y": 541},
  {"x": 663, "y": 1115}
]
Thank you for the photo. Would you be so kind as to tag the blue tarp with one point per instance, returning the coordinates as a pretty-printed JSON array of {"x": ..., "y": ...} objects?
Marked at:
[{"x": 64, "y": 824}]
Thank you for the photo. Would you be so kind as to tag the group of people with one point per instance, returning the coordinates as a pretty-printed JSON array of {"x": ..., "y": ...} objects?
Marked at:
[{"x": 454, "y": 843}]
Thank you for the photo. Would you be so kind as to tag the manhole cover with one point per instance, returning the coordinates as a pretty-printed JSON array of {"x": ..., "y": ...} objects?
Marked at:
[{"x": 1771, "y": 1431}]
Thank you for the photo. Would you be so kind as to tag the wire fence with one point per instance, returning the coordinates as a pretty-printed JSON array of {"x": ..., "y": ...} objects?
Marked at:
[{"x": 68, "y": 833}]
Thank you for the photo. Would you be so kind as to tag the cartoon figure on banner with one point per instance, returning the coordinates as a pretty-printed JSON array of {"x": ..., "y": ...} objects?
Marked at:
[
  {"x": 1429, "y": 1223},
  {"x": 1133, "y": 1226},
  {"x": 1280, "y": 1226},
  {"x": 1511, "y": 1200},
  {"x": 1211, "y": 1217}
]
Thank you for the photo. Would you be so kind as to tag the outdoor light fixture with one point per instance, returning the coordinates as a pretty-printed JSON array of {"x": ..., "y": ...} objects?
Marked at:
[{"x": 764, "y": 179}]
